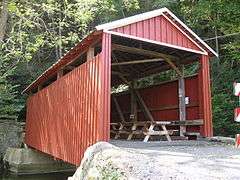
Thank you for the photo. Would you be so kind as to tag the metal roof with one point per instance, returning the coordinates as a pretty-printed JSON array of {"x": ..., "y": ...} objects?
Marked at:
[{"x": 84, "y": 44}]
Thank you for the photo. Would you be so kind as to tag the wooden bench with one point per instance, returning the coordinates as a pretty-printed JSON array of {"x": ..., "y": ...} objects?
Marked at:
[
  {"x": 132, "y": 128},
  {"x": 196, "y": 122},
  {"x": 146, "y": 128}
]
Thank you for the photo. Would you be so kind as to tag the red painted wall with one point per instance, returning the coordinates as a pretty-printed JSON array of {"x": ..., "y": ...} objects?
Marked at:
[
  {"x": 162, "y": 100},
  {"x": 72, "y": 113},
  {"x": 158, "y": 29}
]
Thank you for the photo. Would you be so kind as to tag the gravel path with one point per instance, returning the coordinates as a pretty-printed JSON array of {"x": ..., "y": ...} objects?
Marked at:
[{"x": 179, "y": 160}]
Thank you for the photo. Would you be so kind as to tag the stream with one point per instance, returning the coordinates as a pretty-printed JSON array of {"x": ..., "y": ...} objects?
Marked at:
[{"x": 52, "y": 176}]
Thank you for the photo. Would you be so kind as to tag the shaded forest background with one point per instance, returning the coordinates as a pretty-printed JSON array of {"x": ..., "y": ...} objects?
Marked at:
[{"x": 36, "y": 33}]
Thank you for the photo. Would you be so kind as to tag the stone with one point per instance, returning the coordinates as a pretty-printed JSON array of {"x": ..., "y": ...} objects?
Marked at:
[
  {"x": 85, "y": 171},
  {"x": 221, "y": 139},
  {"x": 10, "y": 134},
  {"x": 29, "y": 161}
]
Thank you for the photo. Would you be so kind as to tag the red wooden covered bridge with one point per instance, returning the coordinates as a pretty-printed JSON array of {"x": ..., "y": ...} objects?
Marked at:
[{"x": 75, "y": 103}]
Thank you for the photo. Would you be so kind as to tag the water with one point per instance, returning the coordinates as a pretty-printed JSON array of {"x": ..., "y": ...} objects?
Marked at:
[{"x": 52, "y": 176}]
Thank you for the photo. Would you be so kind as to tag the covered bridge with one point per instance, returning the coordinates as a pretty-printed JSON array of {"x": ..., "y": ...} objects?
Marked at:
[{"x": 73, "y": 104}]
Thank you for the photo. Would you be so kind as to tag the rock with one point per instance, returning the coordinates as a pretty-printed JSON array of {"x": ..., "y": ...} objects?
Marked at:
[
  {"x": 221, "y": 139},
  {"x": 10, "y": 134},
  {"x": 86, "y": 169},
  {"x": 158, "y": 160}
]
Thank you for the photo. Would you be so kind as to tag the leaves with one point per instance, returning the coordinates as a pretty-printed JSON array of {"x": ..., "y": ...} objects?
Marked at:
[{"x": 39, "y": 30}]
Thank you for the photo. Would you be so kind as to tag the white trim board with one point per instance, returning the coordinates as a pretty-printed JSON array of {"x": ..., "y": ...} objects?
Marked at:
[
  {"x": 156, "y": 42},
  {"x": 185, "y": 34},
  {"x": 191, "y": 32}
]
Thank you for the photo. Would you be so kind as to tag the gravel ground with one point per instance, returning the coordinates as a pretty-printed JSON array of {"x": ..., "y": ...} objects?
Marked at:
[{"x": 177, "y": 160}]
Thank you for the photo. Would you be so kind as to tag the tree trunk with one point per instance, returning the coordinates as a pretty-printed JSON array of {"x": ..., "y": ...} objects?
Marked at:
[{"x": 3, "y": 19}]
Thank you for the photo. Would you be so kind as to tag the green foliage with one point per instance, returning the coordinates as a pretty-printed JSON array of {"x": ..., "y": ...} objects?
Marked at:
[
  {"x": 224, "y": 124},
  {"x": 109, "y": 172},
  {"x": 9, "y": 103},
  {"x": 40, "y": 31}
]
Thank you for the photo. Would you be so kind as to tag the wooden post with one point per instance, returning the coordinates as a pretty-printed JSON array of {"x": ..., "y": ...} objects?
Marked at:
[
  {"x": 118, "y": 109},
  {"x": 133, "y": 103},
  {"x": 60, "y": 73},
  {"x": 90, "y": 53},
  {"x": 117, "y": 135},
  {"x": 144, "y": 107},
  {"x": 182, "y": 105}
]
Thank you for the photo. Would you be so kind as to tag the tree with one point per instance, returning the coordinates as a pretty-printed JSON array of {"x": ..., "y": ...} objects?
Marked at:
[
  {"x": 3, "y": 19},
  {"x": 36, "y": 33}
]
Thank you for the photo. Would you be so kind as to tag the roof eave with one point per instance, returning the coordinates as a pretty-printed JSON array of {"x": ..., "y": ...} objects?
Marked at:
[{"x": 48, "y": 72}]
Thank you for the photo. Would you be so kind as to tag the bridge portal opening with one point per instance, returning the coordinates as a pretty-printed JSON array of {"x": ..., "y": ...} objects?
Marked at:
[{"x": 154, "y": 92}]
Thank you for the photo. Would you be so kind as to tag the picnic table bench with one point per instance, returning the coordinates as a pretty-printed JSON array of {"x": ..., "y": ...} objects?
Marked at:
[{"x": 146, "y": 128}]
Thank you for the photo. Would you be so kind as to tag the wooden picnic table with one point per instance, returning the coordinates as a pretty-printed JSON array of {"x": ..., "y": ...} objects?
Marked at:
[{"x": 146, "y": 128}]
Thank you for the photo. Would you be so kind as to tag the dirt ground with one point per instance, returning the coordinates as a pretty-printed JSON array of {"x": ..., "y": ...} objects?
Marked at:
[{"x": 179, "y": 160}]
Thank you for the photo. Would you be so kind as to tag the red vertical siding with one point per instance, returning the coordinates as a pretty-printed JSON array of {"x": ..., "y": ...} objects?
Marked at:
[
  {"x": 71, "y": 114},
  {"x": 158, "y": 29},
  {"x": 106, "y": 84},
  {"x": 162, "y": 101},
  {"x": 205, "y": 106}
]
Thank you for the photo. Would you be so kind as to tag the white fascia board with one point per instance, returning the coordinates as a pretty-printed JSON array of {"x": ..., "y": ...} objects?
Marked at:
[
  {"x": 190, "y": 31},
  {"x": 185, "y": 34},
  {"x": 155, "y": 42}
]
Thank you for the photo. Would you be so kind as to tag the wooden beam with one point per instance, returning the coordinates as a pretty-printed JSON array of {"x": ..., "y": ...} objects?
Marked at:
[
  {"x": 168, "y": 60},
  {"x": 137, "y": 62},
  {"x": 161, "y": 68},
  {"x": 122, "y": 77},
  {"x": 134, "y": 50},
  {"x": 119, "y": 73},
  {"x": 90, "y": 53},
  {"x": 182, "y": 105},
  {"x": 144, "y": 107},
  {"x": 69, "y": 67},
  {"x": 118, "y": 109},
  {"x": 195, "y": 122},
  {"x": 164, "y": 108},
  {"x": 134, "y": 112}
]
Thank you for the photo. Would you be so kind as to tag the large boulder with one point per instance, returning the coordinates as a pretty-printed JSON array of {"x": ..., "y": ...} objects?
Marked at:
[
  {"x": 159, "y": 160},
  {"x": 97, "y": 164}
]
